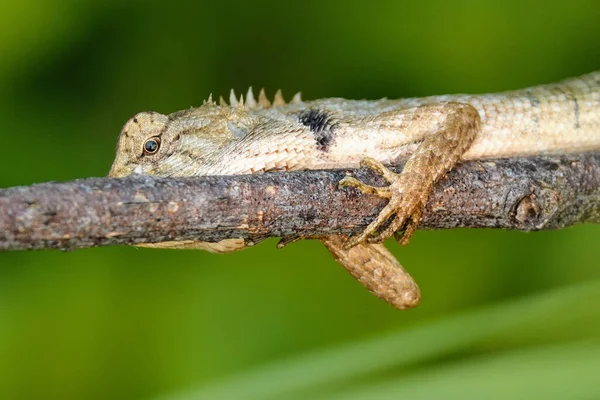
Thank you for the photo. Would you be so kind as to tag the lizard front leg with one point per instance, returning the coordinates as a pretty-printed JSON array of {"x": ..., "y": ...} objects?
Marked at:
[
  {"x": 409, "y": 191},
  {"x": 377, "y": 269}
]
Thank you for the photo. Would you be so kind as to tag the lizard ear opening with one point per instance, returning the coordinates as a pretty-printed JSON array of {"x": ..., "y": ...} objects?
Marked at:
[{"x": 152, "y": 145}]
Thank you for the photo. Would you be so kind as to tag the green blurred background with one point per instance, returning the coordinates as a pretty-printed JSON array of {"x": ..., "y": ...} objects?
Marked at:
[{"x": 503, "y": 315}]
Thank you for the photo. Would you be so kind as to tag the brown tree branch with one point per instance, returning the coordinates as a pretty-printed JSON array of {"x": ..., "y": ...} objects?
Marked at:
[{"x": 526, "y": 194}]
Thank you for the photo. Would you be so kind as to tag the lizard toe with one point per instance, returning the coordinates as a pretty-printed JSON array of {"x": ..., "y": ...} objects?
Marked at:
[
  {"x": 372, "y": 228},
  {"x": 379, "y": 168},
  {"x": 396, "y": 224},
  {"x": 403, "y": 236},
  {"x": 405, "y": 223},
  {"x": 349, "y": 181}
]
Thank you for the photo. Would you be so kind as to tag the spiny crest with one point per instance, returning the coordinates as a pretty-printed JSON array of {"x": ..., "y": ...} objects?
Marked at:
[{"x": 251, "y": 102}]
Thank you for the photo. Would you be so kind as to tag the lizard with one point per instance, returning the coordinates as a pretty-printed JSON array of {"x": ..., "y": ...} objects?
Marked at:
[{"x": 433, "y": 134}]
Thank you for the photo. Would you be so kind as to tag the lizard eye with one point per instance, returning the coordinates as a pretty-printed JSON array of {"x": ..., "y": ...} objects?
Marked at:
[{"x": 152, "y": 145}]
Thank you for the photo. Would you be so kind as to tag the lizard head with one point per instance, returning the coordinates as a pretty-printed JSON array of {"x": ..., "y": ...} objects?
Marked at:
[
  {"x": 180, "y": 144},
  {"x": 176, "y": 144},
  {"x": 140, "y": 136}
]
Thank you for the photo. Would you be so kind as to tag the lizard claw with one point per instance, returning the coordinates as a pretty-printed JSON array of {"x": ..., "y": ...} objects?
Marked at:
[
  {"x": 402, "y": 227},
  {"x": 404, "y": 206}
]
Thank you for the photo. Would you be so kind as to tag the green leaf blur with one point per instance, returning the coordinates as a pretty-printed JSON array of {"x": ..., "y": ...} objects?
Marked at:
[{"x": 504, "y": 314}]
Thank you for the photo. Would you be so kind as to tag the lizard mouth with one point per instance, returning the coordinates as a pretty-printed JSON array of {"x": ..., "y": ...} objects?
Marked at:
[{"x": 120, "y": 170}]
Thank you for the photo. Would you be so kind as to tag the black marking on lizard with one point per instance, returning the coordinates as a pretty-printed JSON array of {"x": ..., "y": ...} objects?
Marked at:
[
  {"x": 319, "y": 122},
  {"x": 573, "y": 98},
  {"x": 535, "y": 104}
]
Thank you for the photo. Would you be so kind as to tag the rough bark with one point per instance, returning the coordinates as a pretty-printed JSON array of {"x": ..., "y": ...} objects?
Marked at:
[{"x": 526, "y": 194}]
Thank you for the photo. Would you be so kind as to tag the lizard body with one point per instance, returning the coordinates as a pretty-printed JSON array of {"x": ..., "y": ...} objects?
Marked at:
[{"x": 432, "y": 133}]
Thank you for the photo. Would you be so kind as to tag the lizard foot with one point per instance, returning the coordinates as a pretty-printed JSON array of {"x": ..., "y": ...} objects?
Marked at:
[{"x": 404, "y": 208}]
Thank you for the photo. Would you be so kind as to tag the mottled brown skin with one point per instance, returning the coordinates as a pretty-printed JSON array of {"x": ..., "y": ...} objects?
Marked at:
[{"x": 433, "y": 133}]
